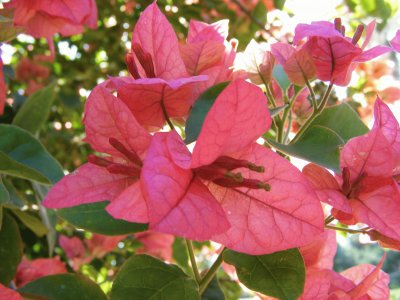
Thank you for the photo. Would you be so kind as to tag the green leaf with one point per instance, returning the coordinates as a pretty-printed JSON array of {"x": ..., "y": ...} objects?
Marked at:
[
  {"x": 279, "y": 4},
  {"x": 230, "y": 287},
  {"x": 338, "y": 118},
  {"x": 281, "y": 77},
  {"x": 200, "y": 110},
  {"x": 7, "y": 29},
  {"x": 32, "y": 222},
  {"x": 213, "y": 291},
  {"x": 4, "y": 194},
  {"x": 64, "y": 287},
  {"x": 144, "y": 277},
  {"x": 94, "y": 218},
  {"x": 180, "y": 254},
  {"x": 15, "y": 200},
  {"x": 10, "y": 249},
  {"x": 280, "y": 274},
  {"x": 35, "y": 111},
  {"x": 22, "y": 155},
  {"x": 320, "y": 145}
]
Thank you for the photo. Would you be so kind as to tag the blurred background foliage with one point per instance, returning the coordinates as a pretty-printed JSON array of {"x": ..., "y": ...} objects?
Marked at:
[{"x": 84, "y": 60}]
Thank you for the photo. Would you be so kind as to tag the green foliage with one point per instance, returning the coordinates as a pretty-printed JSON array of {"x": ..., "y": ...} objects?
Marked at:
[
  {"x": 200, "y": 110},
  {"x": 64, "y": 287},
  {"x": 94, "y": 218},
  {"x": 280, "y": 274},
  {"x": 10, "y": 249},
  {"x": 144, "y": 277}
]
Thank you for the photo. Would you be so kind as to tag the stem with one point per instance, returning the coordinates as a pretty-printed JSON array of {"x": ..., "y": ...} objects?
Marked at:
[
  {"x": 196, "y": 273},
  {"x": 164, "y": 110},
  {"x": 329, "y": 219},
  {"x": 269, "y": 94},
  {"x": 315, "y": 113},
  {"x": 312, "y": 94},
  {"x": 363, "y": 230},
  {"x": 211, "y": 273}
]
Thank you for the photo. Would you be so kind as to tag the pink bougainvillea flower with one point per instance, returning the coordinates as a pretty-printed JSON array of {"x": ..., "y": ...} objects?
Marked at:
[
  {"x": 230, "y": 190},
  {"x": 160, "y": 84},
  {"x": 33, "y": 73},
  {"x": 207, "y": 52},
  {"x": 257, "y": 62},
  {"x": 336, "y": 56},
  {"x": 297, "y": 62},
  {"x": 3, "y": 89},
  {"x": 75, "y": 251},
  {"x": 156, "y": 244},
  {"x": 369, "y": 165},
  {"x": 112, "y": 129},
  {"x": 44, "y": 18},
  {"x": 395, "y": 42},
  {"x": 99, "y": 245},
  {"x": 9, "y": 294},
  {"x": 29, "y": 270}
]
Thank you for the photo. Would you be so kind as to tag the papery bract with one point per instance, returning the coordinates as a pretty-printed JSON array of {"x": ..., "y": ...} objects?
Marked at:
[
  {"x": 9, "y": 294},
  {"x": 156, "y": 244},
  {"x": 75, "y": 251},
  {"x": 257, "y": 62},
  {"x": 226, "y": 180},
  {"x": 395, "y": 42},
  {"x": 336, "y": 56},
  {"x": 297, "y": 62},
  {"x": 44, "y": 18},
  {"x": 110, "y": 128},
  {"x": 99, "y": 245},
  {"x": 30, "y": 270}
]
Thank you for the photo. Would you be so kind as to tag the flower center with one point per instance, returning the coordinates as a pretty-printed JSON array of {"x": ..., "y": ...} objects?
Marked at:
[
  {"x": 357, "y": 35},
  {"x": 144, "y": 59},
  {"x": 351, "y": 190},
  {"x": 220, "y": 172},
  {"x": 132, "y": 170}
]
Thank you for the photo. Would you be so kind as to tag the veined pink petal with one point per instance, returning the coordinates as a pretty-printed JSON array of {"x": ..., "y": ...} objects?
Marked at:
[
  {"x": 259, "y": 219},
  {"x": 156, "y": 36},
  {"x": 367, "y": 155},
  {"x": 340, "y": 284},
  {"x": 73, "y": 247},
  {"x": 99, "y": 245},
  {"x": 332, "y": 57},
  {"x": 379, "y": 207},
  {"x": 321, "y": 252},
  {"x": 237, "y": 118},
  {"x": 317, "y": 284},
  {"x": 370, "y": 280},
  {"x": 321, "y": 28},
  {"x": 9, "y": 294},
  {"x": 395, "y": 42},
  {"x": 299, "y": 67},
  {"x": 88, "y": 184},
  {"x": 178, "y": 203},
  {"x": 145, "y": 98},
  {"x": 107, "y": 117},
  {"x": 202, "y": 55},
  {"x": 372, "y": 53},
  {"x": 130, "y": 205},
  {"x": 282, "y": 52},
  {"x": 389, "y": 126},
  {"x": 326, "y": 187},
  {"x": 200, "y": 31}
]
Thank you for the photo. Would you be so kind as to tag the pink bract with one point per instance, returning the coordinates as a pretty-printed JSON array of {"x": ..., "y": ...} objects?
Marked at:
[
  {"x": 9, "y": 294},
  {"x": 3, "y": 89},
  {"x": 219, "y": 192},
  {"x": 110, "y": 128},
  {"x": 156, "y": 244},
  {"x": 44, "y": 18},
  {"x": 336, "y": 56}
]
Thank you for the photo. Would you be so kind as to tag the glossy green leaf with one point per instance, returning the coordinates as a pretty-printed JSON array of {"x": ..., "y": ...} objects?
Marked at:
[
  {"x": 14, "y": 200},
  {"x": 320, "y": 145},
  {"x": 280, "y": 274},
  {"x": 180, "y": 254},
  {"x": 341, "y": 119},
  {"x": 35, "y": 111},
  {"x": 281, "y": 77},
  {"x": 200, "y": 110},
  {"x": 22, "y": 155},
  {"x": 10, "y": 249},
  {"x": 94, "y": 218},
  {"x": 4, "y": 194},
  {"x": 64, "y": 287},
  {"x": 144, "y": 277},
  {"x": 32, "y": 222}
]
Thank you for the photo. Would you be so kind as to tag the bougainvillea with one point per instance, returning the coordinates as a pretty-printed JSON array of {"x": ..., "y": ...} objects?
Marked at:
[{"x": 193, "y": 137}]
